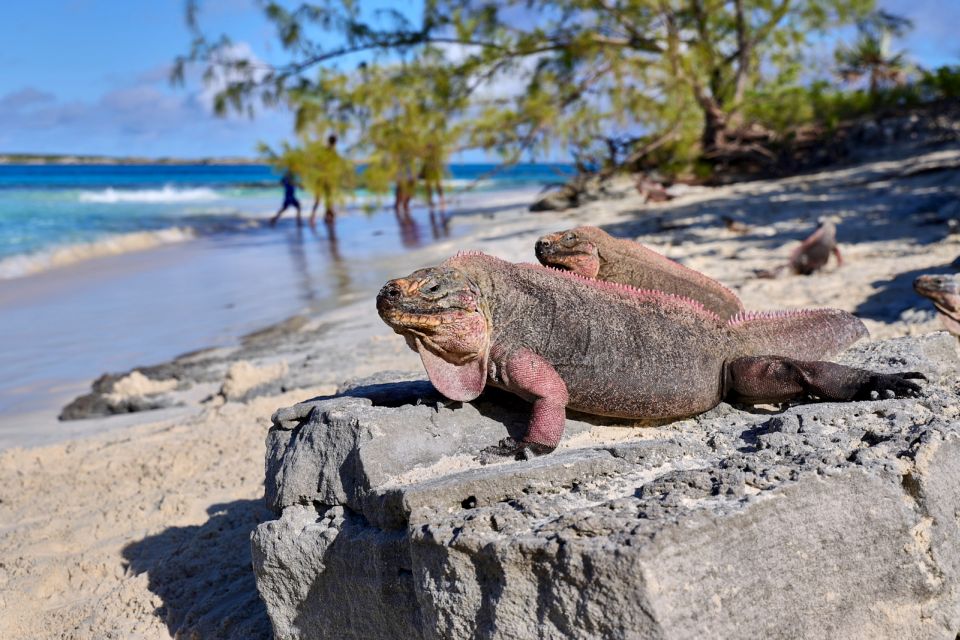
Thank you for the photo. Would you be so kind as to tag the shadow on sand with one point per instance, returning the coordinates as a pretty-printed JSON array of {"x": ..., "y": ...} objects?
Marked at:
[
  {"x": 204, "y": 576},
  {"x": 896, "y": 295},
  {"x": 873, "y": 206}
]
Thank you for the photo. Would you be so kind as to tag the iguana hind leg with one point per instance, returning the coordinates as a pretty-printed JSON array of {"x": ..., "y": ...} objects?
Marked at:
[{"x": 759, "y": 379}]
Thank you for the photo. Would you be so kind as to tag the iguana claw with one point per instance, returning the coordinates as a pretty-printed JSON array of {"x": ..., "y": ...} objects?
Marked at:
[
  {"x": 518, "y": 449},
  {"x": 891, "y": 385}
]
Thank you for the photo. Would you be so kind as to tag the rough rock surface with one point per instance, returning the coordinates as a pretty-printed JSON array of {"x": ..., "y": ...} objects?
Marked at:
[{"x": 820, "y": 520}]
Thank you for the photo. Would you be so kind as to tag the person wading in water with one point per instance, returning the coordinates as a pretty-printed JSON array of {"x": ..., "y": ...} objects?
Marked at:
[{"x": 289, "y": 183}]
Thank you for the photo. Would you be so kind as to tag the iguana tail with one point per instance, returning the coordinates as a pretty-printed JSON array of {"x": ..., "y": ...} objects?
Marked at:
[{"x": 813, "y": 334}]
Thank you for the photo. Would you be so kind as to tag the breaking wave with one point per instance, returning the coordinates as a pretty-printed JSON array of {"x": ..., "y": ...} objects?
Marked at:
[
  {"x": 166, "y": 194},
  {"x": 26, "y": 264}
]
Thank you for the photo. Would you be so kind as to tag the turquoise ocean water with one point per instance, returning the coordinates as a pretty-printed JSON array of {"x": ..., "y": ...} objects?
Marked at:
[
  {"x": 103, "y": 268},
  {"x": 56, "y": 215}
]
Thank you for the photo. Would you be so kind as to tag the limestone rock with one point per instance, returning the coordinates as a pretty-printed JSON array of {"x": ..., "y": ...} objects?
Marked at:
[{"x": 820, "y": 520}]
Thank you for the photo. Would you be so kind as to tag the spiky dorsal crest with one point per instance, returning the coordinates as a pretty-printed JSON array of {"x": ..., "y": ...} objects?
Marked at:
[
  {"x": 747, "y": 316},
  {"x": 626, "y": 289}
]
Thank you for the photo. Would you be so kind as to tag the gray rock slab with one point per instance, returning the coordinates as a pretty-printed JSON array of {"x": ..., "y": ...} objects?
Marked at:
[{"x": 815, "y": 520}]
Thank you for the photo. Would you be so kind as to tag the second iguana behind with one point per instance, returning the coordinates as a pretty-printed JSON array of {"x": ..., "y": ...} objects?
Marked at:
[{"x": 594, "y": 253}]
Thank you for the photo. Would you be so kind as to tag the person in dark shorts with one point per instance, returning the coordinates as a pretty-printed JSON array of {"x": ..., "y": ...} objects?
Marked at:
[{"x": 289, "y": 183}]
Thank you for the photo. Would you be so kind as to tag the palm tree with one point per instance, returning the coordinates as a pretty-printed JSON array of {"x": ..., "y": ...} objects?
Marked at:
[{"x": 871, "y": 55}]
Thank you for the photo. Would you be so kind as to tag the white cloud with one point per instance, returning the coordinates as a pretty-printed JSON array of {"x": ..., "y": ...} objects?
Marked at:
[{"x": 146, "y": 117}]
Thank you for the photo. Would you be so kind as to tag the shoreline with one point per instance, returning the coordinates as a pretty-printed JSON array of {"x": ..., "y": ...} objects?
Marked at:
[
  {"x": 159, "y": 510},
  {"x": 312, "y": 275}
]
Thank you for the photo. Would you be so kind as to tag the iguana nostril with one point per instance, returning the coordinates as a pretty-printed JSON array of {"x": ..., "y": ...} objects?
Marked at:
[
  {"x": 542, "y": 245},
  {"x": 390, "y": 292}
]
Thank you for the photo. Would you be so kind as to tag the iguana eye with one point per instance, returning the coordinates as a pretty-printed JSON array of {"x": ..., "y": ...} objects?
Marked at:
[{"x": 569, "y": 238}]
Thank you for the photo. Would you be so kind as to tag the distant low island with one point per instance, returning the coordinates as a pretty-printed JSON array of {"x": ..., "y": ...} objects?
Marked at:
[{"x": 69, "y": 158}]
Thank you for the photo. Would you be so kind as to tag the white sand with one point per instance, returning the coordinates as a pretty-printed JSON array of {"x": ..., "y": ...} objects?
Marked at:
[
  {"x": 140, "y": 530},
  {"x": 137, "y": 384}
]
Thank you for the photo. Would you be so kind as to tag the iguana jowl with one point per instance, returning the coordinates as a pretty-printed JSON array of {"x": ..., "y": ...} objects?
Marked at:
[
  {"x": 561, "y": 340},
  {"x": 592, "y": 252}
]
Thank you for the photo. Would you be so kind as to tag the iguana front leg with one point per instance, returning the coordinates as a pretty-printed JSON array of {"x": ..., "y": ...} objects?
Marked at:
[
  {"x": 761, "y": 379},
  {"x": 532, "y": 377}
]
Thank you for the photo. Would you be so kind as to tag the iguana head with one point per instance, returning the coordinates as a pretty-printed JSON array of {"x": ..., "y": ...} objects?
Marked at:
[
  {"x": 944, "y": 290},
  {"x": 440, "y": 313},
  {"x": 574, "y": 250}
]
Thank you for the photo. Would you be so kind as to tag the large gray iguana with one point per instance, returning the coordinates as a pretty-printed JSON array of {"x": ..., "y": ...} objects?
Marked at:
[
  {"x": 594, "y": 253},
  {"x": 561, "y": 340}
]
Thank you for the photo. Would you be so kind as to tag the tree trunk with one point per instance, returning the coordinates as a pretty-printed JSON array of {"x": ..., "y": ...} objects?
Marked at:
[{"x": 714, "y": 126}]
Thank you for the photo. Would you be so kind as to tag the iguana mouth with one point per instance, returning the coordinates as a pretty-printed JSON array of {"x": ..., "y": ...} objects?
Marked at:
[
  {"x": 425, "y": 302},
  {"x": 424, "y": 321}
]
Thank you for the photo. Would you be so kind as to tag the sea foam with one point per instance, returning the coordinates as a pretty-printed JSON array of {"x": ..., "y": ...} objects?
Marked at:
[
  {"x": 26, "y": 264},
  {"x": 166, "y": 194}
]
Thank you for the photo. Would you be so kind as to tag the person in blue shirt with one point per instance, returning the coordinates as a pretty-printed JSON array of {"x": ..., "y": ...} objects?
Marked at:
[{"x": 289, "y": 183}]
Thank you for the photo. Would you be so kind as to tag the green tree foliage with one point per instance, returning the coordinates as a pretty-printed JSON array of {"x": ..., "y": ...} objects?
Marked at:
[
  {"x": 409, "y": 124},
  {"x": 630, "y": 79}
]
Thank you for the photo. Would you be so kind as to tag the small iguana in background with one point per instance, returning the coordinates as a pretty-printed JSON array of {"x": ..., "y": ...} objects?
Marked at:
[
  {"x": 594, "y": 253},
  {"x": 944, "y": 291},
  {"x": 812, "y": 254},
  {"x": 560, "y": 340}
]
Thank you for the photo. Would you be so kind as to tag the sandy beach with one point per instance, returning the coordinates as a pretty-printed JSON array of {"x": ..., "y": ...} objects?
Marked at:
[{"x": 137, "y": 526}]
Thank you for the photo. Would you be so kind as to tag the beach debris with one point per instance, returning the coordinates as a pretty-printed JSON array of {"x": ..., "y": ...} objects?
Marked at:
[
  {"x": 558, "y": 200},
  {"x": 137, "y": 384},
  {"x": 581, "y": 189},
  {"x": 735, "y": 226},
  {"x": 594, "y": 253},
  {"x": 944, "y": 291},
  {"x": 612, "y": 349},
  {"x": 243, "y": 377},
  {"x": 129, "y": 393},
  {"x": 380, "y": 507}
]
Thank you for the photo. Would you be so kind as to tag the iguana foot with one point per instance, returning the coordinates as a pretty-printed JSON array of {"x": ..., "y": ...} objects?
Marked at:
[
  {"x": 517, "y": 449},
  {"x": 890, "y": 385},
  {"x": 758, "y": 379}
]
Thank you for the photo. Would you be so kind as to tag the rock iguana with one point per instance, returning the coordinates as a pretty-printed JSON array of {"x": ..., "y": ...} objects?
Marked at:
[
  {"x": 561, "y": 340},
  {"x": 594, "y": 253},
  {"x": 944, "y": 290},
  {"x": 814, "y": 252}
]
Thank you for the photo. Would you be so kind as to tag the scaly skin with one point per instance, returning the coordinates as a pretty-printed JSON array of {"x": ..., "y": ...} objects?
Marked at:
[
  {"x": 814, "y": 252},
  {"x": 594, "y": 253},
  {"x": 560, "y": 340},
  {"x": 944, "y": 291}
]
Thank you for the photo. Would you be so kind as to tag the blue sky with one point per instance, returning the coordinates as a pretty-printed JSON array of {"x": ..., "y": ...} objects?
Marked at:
[{"x": 90, "y": 76}]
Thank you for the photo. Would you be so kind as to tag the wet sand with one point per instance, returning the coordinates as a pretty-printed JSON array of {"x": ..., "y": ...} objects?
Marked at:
[{"x": 142, "y": 530}]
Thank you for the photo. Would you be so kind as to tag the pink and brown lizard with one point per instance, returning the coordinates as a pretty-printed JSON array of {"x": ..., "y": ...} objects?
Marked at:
[
  {"x": 812, "y": 254},
  {"x": 594, "y": 253},
  {"x": 561, "y": 340},
  {"x": 944, "y": 291}
]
